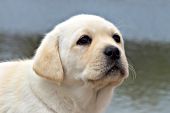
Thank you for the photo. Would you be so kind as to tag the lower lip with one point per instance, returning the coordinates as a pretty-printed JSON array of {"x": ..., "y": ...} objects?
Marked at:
[{"x": 114, "y": 69}]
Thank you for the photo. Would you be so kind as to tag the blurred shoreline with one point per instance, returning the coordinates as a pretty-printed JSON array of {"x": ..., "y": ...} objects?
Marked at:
[{"x": 24, "y": 46}]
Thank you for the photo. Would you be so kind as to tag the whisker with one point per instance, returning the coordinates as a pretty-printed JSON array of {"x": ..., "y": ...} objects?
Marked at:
[{"x": 132, "y": 69}]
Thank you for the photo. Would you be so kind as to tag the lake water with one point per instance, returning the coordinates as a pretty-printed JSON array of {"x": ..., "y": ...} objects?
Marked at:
[{"x": 149, "y": 92}]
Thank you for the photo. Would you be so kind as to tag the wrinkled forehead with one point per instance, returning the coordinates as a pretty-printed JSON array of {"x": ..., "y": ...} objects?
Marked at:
[{"x": 90, "y": 23}]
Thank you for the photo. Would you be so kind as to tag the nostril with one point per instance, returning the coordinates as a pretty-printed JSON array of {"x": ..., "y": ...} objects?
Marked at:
[
  {"x": 112, "y": 52},
  {"x": 116, "y": 53},
  {"x": 108, "y": 51}
]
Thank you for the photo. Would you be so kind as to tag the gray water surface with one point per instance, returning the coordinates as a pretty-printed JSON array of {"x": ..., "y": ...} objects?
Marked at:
[
  {"x": 146, "y": 19},
  {"x": 149, "y": 92}
]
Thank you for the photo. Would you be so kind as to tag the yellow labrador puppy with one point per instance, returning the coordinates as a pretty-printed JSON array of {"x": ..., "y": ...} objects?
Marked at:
[{"x": 75, "y": 70}]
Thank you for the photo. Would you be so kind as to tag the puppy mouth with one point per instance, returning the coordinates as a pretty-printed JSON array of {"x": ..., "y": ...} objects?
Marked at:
[
  {"x": 114, "y": 70},
  {"x": 113, "y": 73}
]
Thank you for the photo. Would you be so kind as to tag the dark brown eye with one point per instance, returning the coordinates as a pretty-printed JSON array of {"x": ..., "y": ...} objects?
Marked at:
[
  {"x": 116, "y": 37},
  {"x": 84, "y": 40}
]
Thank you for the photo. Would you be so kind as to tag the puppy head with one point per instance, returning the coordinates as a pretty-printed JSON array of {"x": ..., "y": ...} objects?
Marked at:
[{"x": 87, "y": 48}]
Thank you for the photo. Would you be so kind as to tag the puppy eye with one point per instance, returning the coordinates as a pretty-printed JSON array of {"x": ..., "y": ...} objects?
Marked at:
[
  {"x": 116, "y": 37},
  {"x": 84, "y": 40}
]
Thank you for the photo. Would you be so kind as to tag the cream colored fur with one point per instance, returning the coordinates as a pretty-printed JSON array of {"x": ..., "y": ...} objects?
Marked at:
[{"x": 63, "y": 77}]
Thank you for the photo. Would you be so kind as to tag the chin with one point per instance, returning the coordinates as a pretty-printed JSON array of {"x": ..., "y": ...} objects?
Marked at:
[
  {"x": 112, "y": 75},
  {"x": 113, "y": 79}
]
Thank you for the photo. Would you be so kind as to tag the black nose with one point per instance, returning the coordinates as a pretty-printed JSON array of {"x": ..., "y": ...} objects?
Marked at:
[{"x": 112, "y": 52}]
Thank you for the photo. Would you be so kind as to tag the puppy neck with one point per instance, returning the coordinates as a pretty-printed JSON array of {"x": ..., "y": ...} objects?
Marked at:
[{"x": 81, "y": 98}]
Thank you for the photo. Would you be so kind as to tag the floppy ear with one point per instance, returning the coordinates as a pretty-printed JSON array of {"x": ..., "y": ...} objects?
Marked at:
[{"x": 47, "y": 62}]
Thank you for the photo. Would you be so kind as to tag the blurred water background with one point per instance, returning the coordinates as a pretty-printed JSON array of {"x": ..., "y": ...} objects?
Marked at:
[{"x": 146, "y": 29}]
